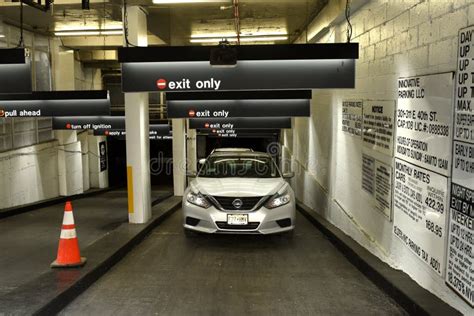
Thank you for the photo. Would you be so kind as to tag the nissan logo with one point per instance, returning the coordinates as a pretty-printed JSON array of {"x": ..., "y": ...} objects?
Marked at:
[{"x": 237, "y": 203}]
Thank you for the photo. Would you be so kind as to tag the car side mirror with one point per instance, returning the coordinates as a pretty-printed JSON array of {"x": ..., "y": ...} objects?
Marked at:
[
  {"x": 288, "y": 175},
  {"x": 202, "y": 161},
  {"x": 191, "y": 174}
]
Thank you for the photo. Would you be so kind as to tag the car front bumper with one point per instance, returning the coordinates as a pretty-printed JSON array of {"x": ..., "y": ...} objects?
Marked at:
[{"x": 261, "y": 221}]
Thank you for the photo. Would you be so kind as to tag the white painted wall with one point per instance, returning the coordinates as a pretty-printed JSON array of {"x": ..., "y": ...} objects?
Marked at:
[
  {"x": 29, "y": 174},
  {"x": 397, "y": 38}
]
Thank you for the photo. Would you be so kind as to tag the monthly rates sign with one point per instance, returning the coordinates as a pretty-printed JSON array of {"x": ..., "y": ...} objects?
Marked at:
[{"x": 420, "y": 206}]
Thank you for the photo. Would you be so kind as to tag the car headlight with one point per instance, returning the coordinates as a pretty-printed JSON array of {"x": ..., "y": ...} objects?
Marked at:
[
  {"x": 278, "y": 200},
  {"x": 198, "y": 199}
]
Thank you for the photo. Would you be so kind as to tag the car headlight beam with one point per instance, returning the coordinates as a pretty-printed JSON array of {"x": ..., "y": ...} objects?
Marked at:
[
  {"x": 278, "y": 200},
  {"x": 198, "y": 199}
]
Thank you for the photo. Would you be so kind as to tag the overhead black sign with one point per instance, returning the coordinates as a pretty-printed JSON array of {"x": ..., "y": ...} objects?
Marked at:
[
  {"x": 234, "y": 133},
  {"x": 155, "y": 130},
  {"x": 259, "y": 67},
  {"x": 238, "y": 108},
  {"x": 240, "y": 95},
  {"x": 238, "y": 104},
  {"x": 239, "y": 123},
  {"x": 15, "y": 71},
  {"x": 89, "y": 122},
  {"x": 55, "y": 103}
]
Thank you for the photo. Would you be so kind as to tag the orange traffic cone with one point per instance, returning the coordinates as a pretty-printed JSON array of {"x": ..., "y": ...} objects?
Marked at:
[{"x": 68, "y": 251}]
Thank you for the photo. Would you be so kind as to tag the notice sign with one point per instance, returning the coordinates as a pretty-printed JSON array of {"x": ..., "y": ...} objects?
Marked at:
[
  {"x": 420, "y": 206},
  {"x": 424, "y": 121},
  {"x": 103, "y": 156},
  {"x": 378, "y": 126},
  {"x": 352, "y": 117},
  {"x": 460, "y": 261},
  {"x": 464, "y": 113},
  {"x": 377, "y": 181}
]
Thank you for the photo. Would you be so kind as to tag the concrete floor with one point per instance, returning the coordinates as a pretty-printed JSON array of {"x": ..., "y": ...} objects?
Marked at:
[
  {"x": 29, "y": 241},
  {"x": 170, "y": 274}
]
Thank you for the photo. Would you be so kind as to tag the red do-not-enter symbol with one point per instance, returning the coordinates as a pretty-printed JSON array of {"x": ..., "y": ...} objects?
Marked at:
[
  {"x": 68, "y": 125},
  {"x": 161, "y": 84},
  {"x": 191, "y": 113},
  {"x": 206, "y": 125}
]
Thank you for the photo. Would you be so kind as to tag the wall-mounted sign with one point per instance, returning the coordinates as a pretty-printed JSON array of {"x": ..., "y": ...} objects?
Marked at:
[
  {"x": 55, "y": 103},
  {"x": 460, "y": 258},
  {"x": 424, "y": 121},
  {"x": 103, "y": 156},
  {"x": 15, "y": 71},
  {"x": 420, "y": 206},
  {"x": 237, "y": 108},
  {"x": 238, "y": 123},
  {"x": 89, "y": 122},
  {"x": 352, "y": 117},
  {"x": 378, "y": 126},
  {"x": 464, "y": 105},
  {"x": 259, "y": 67},
  {"x": 377, "y": 181}
]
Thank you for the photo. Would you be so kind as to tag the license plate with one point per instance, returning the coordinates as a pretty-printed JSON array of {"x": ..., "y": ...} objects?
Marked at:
[{"x": 237, "y": 219}]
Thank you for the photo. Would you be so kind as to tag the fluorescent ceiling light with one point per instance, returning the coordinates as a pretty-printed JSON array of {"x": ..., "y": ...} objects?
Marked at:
[
  {"x": 88, "y": 32},
  {"x": 188, "y": 1},
  {"x": 243, "y": 34},
  {"x": 2, "y": 36},
  {"x": 242, "y": 39}
]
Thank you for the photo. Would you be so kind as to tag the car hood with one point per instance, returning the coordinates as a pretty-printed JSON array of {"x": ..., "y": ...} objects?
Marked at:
[{"x": 238, "y": 186}]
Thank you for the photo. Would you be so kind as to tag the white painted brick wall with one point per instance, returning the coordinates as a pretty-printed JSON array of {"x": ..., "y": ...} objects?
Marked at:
[
  {"x": 28, "y": 175},
  {"x": 397, "y": 38}
]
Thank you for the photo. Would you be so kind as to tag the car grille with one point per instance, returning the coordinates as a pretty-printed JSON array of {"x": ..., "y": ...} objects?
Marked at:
[
  {"x": 248, "y": 203},
  {"x": 250, "y": 225}
]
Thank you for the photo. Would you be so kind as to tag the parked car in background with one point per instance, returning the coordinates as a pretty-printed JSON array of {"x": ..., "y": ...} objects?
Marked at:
[{"x": 239, "y": 191}]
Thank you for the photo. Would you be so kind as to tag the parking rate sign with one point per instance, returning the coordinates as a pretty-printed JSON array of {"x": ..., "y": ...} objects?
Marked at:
[{"x": 460, "y": 258}]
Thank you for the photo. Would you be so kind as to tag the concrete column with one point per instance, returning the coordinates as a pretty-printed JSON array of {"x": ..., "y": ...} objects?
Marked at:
[
  {"x": 70, "y": 169},
  {"x": 191, "y": 148},
  {"x": 69, "y": 163},
  {"x": 84, "y": 139},
  {"x": 179, "y": 156},
  {"x": 137, "y": 128}
]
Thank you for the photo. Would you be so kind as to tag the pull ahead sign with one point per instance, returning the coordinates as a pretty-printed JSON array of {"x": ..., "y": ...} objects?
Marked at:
[
  {"x": 55, "y": 103},
  {"x": 239, "y": 123},
  {"x": 259, "y": 67},
  {"x": 247, "y": 104},
  {"x": 15, "y": 71}
]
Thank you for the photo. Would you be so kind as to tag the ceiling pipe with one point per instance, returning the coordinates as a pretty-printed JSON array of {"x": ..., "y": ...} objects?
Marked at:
[{"x": 237, "y": 19}]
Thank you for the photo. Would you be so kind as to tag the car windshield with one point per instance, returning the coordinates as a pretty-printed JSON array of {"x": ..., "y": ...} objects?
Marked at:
[{"x": 239, "y": 166}]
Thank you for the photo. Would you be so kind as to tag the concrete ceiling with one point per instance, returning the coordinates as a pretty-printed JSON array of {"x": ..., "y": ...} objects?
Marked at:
[{"x": 174, "y": 23}]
